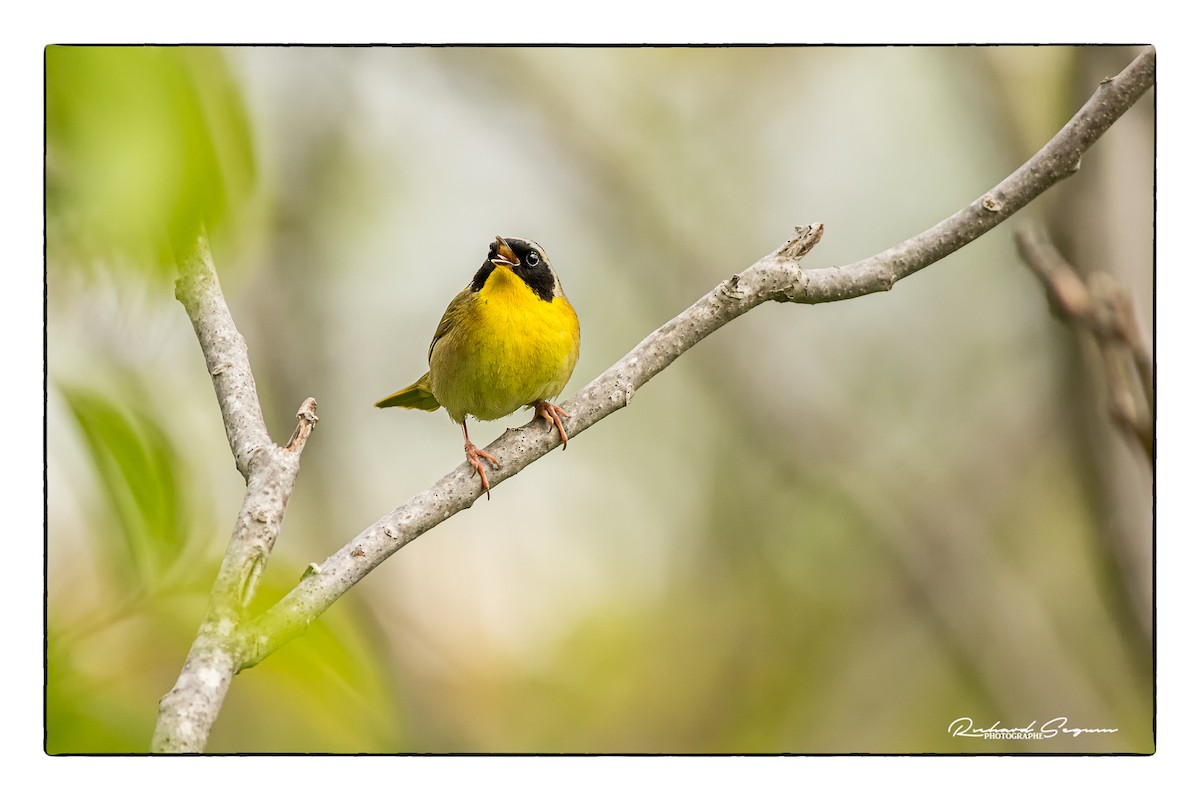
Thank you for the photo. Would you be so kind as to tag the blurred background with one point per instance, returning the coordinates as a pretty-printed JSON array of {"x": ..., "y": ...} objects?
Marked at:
[{"x": 825, "y": 529}]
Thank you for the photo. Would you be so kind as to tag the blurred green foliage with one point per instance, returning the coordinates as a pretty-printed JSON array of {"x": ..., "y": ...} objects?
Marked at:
[
  {"x": 136, "y": 463},
  {"x": 828, "y": 529},
  {"x": 145, "y": 145}
]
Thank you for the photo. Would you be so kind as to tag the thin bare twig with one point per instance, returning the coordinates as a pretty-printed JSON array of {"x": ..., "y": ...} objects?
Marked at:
[
  {"x": 308, "y": 420},
  {"x": 1104, "y": 309}
]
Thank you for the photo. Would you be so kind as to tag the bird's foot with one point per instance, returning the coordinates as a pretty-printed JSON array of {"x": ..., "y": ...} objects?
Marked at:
[
  {"x": 473, "y": 454},
  {"x": 552, "y": 414}
]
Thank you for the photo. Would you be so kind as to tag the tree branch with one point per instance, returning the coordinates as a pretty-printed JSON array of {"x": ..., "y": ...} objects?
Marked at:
[
  {"x": 1060, "y": 158},
  {"x": 224, "y": 353},
  {"x": 188, "y": 711},
  {"x": 776, "y": 276},
  {"x": 1102, "y": 308}
]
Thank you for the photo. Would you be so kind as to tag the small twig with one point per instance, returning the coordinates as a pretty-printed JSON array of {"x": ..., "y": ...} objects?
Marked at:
[
  {"x": 1104, "y": 309},
  {"x": 308, "y": 420},
  {"x": 1066, "y": 293}
]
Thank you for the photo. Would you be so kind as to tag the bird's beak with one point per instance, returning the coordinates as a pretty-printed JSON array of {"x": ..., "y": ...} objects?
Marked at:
[{"x": 504, "y": 254}]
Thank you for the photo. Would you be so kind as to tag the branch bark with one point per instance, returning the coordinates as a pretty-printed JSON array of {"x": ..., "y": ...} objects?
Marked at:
[
  {"x": 187, "y": 712},
  {"x": 777, "y": 277}
]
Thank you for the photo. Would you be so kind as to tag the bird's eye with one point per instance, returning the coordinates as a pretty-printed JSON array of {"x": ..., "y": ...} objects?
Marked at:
[{"x": 532, "y": 259}]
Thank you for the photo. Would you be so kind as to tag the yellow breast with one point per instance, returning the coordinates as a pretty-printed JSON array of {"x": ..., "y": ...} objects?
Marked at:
[{"x": 509, "y": 349}]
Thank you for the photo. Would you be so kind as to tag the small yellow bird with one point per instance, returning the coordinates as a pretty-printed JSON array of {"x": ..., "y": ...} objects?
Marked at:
[{"x": 510, "y": 339}]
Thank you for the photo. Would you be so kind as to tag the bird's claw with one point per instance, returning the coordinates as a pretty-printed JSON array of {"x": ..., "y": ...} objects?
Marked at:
[
  {"x": 473, "y": 454},
  {"x": 553, "y": 415}
]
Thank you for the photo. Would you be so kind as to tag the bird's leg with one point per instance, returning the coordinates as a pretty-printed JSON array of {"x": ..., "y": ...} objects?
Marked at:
[
  {"x": 473, "y": 454},
  {"x": 552, "y": 414}
]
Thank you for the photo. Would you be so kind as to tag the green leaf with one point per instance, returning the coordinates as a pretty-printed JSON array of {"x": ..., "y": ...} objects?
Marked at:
[
  {"x": 144, "y": 146},
  {"x": 137, "y": 468}
]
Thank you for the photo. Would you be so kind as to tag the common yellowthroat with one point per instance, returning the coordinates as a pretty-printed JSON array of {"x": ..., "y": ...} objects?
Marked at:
[{"x": 510, "y": 339}]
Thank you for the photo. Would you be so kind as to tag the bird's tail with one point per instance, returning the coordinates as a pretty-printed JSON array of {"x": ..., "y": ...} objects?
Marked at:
[{"x": 416, "y": 396}]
